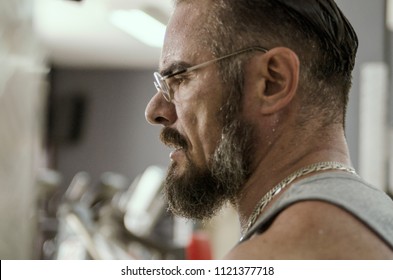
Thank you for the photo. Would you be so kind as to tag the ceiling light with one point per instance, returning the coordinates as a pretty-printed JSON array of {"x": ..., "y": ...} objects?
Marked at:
[{"x": 140, "y": 25}]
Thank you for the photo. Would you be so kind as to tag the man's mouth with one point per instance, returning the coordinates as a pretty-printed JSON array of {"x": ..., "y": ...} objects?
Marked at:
[{"x": 176, "y": 154}]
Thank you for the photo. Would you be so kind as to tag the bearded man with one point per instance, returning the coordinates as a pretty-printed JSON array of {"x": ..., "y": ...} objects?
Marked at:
[{"x": 252, "y": 98}]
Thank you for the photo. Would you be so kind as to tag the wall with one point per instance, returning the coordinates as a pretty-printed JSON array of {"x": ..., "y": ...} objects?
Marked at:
[
  {"x": 389, "y": 52},
  {"x": 22, "y": 95},
  {"x": 117, "y": 137},
  {"x": 368, "y": 19}
]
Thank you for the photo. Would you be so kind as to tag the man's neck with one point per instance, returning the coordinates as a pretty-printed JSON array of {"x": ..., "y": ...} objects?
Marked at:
[{"x": 278, "y": 163}]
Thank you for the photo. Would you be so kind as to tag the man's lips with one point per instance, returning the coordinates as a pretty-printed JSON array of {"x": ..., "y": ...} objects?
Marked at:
[
  {"x": 173, "y": 139},
  {"x": 176, "y": 154}
]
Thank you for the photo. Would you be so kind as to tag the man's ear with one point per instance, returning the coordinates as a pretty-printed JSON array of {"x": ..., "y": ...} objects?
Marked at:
[{"x": 280, "y": 72}]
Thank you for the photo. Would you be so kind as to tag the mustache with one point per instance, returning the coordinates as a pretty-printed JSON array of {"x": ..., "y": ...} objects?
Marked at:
[{"x": 172, "y": 138}]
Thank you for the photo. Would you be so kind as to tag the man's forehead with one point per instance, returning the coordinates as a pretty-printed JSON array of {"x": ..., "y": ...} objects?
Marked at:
[
  {"x": 180, "y": 57},
  {"x": 182, "y": 39}
]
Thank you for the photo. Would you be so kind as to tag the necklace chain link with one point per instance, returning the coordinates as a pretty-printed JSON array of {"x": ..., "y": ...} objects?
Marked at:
[{"x": 320, "y": 166}]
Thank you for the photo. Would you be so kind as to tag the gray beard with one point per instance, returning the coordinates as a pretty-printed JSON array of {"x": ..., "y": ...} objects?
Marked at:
[{"x": 199, "y": 193}]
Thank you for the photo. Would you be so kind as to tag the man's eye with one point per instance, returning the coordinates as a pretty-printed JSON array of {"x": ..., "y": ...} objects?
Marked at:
[{"x": 176, "y": 81}]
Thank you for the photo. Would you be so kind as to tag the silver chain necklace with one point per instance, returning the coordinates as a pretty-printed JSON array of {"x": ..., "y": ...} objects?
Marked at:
[{"x": 320, "y": 166}]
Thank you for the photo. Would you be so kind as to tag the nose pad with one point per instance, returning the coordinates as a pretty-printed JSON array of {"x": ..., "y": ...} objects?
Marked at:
[{"x": 160, "y": 111}]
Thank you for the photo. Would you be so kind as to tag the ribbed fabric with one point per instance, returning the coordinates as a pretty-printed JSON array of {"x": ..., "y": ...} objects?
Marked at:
[{"x": 371, "y": 206}]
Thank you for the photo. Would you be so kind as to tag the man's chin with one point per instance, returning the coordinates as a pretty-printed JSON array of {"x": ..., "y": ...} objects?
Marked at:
[
  {"x": 200, "y": 192},
  {"x": 177, "y": 170},
  {"x": 191, "y": 192}
]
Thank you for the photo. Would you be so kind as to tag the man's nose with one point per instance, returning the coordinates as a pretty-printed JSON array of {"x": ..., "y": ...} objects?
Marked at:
[{"x": 160, "y": 111}]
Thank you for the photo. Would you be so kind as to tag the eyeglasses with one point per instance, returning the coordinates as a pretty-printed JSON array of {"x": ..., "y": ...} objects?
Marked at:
[{"x": 163, "y": 86}]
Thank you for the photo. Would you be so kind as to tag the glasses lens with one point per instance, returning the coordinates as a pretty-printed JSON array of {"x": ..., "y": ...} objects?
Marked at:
[{"x": 162, "y": 86}]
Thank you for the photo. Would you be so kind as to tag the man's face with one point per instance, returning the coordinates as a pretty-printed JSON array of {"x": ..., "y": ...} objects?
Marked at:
[{"x": 208, "y": 164}]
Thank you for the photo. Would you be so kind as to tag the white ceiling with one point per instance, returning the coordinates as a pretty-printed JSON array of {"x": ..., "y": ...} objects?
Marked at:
[{"x": 79, "y": 34}]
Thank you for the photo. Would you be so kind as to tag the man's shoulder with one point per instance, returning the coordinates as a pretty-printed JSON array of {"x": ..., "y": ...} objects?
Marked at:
[{"x": 313, "y": 230}]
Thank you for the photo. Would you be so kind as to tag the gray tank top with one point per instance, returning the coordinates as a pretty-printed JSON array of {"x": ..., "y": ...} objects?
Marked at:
[{"x": 371, "y": 206}]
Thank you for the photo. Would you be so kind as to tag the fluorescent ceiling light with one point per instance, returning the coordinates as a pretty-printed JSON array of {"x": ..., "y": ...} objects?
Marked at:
[{"x": 140, "y": 25}]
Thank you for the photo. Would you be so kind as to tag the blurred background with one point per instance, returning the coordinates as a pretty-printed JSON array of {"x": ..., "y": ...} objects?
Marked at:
[{"x": 81, "y": 170}]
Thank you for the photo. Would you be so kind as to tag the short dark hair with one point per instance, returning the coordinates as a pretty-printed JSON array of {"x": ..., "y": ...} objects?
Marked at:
[{"x": 316, "y": 30}]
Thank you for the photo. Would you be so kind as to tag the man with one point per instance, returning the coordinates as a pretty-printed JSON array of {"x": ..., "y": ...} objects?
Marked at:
[{"x": 252, "y": 97}]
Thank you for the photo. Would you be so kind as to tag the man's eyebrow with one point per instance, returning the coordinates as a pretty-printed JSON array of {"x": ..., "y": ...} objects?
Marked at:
[{"x": 174, "y": 67}]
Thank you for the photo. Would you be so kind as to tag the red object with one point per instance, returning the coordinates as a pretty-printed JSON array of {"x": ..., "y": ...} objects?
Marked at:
[{"x": 199, "y": 247}]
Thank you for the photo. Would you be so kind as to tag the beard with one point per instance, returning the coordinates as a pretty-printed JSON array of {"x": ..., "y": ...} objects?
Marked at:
[{"x": 200, "y": 192}]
